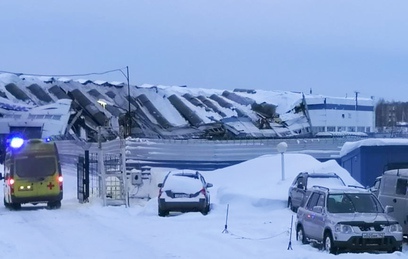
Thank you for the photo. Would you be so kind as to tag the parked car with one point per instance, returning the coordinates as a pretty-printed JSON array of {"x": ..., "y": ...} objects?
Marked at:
[
  {"x": 391, "y": 189},
  {"x": 297, "y": 194},
  {"x": 183, "y": 191},
  {"x": 348, "y": 218}
]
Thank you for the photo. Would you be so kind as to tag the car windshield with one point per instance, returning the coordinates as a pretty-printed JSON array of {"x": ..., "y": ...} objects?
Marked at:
[
  {"x": 353, "y": 202},
  {"x": 324, "y": 181}
]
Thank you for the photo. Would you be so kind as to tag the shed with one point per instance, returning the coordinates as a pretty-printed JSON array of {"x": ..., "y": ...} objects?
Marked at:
[{"x": 367, "y": 159}]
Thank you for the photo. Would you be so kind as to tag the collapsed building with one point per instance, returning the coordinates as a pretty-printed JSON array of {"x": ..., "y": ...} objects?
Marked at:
[{"x": 91, "y": 110}]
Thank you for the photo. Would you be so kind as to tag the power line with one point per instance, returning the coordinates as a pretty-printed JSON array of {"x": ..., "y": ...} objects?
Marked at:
[{"x": 71, "y": 75}]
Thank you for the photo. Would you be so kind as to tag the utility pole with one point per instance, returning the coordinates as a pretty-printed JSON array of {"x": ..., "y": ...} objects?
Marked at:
[{"x": 356, "y": 92}]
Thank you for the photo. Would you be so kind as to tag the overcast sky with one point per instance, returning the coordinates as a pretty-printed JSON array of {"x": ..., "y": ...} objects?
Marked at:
[{"x": 332, "y": 47}]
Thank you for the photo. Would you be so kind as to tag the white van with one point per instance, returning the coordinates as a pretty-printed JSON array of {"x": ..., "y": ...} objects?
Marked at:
[{"x": 392, "y": 189}]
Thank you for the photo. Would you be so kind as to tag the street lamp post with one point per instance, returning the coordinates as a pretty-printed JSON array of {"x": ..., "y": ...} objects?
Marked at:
[
  {"x": 129, "y": 118},
  {"x": 128, "y": 114},
  {"x": 282, "y": 147}
]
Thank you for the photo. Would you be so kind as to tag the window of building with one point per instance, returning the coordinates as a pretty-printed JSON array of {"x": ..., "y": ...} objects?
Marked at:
[
  {"x": 331, "y": 128},
  {"x": 360, "y": 129},
  {"x": 351, "y": 129},
  {"x": 318, "y": 129},
  {"x": 340, "y": 129}
]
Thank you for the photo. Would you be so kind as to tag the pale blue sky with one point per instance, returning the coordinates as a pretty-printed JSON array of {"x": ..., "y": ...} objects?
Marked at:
[{"x": 333, "y": 47}]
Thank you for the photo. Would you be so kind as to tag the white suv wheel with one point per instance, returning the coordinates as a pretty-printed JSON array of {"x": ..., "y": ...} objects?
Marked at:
[
  {"x": 327, "y": 243},
  {"x": 300, "y": 235}
]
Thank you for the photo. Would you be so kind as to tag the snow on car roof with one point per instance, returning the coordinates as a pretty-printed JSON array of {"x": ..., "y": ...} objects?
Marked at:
[
  {"x": 182, "y": 182},
  {"x": 323, "y": 175},
  {"x": 325, "y": 181},
  {"x": 345, "y": 189}
]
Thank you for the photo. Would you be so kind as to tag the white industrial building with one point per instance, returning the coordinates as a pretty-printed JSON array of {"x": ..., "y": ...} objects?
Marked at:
[{"x": 336, "y": 114}]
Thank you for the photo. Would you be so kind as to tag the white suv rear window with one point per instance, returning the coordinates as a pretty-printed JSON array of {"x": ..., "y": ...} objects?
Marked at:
[{"x": 183, "y": 184}]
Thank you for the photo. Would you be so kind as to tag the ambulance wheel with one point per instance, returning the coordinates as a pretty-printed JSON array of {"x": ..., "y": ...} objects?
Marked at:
[
  {"x": 11, "y": 206},
  {"x": 15, "y": 206},
  {"x": 6, "y": 204},
  {"x": 54, "y": 204},
  {"x": 163, "y": 213}
]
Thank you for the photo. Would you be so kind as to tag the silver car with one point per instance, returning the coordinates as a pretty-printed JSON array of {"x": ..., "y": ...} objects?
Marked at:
[{"x": 350, "y": 219}]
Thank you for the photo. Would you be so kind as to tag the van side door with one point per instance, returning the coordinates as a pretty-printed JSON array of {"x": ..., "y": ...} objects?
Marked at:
[
  {"x": 400, "y": 203},
  {"x": 393, "y": 192}
]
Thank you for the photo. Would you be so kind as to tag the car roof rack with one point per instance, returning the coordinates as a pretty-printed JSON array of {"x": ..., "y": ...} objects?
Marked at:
[
  {"x": 321, "y": 187},
  {"x": 356, "y": 186}
]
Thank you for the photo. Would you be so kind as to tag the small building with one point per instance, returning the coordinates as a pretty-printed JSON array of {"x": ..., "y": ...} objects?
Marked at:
[
  {"x": 367, "y": 159},
  {"x": 337, "y": 114}
]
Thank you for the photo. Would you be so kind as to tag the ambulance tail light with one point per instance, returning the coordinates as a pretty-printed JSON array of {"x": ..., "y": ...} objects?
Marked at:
[
  {"x": 10, "y": 182},
  {"x": 60, "y": 180}
]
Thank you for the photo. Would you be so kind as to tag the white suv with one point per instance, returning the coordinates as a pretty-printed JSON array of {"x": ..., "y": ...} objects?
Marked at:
[
  {"x": 183, "y": 191},
  {"x": 349, "y": 219}
]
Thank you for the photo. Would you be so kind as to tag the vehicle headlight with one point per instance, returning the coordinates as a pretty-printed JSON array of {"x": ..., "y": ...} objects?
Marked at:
[
  {"x": 395, "y": 228},
  {"x": 345, "y": 229}
]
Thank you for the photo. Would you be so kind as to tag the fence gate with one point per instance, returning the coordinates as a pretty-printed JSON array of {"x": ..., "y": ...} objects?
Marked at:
[
  {"x": 88, "y": 180},
  {"x": 114, "y": 179},
  {"x": 103, "y": 174},
  {"x": 83, "y": 178}
]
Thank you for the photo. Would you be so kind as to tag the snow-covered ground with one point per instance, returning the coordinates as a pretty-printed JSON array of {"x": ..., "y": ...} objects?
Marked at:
[{"x": 258, "y": 222}]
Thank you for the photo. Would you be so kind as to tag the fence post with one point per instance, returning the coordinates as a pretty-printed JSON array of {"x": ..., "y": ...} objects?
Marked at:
[
  {"x": 86, "y": 176},
  {"x": 101, "y": 168},
  {"x": 124, "y": 170}
]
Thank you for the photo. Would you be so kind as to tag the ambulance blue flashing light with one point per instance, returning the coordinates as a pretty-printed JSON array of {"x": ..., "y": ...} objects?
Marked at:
[{"x": 16, "y": 142}]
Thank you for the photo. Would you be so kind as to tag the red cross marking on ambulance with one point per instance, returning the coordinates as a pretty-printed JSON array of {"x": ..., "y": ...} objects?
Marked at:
[{"x": 50, "y": 185}]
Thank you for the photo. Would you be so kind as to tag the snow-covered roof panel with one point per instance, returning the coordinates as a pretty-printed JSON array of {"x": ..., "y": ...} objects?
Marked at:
[{"x": 350, "y": 146}]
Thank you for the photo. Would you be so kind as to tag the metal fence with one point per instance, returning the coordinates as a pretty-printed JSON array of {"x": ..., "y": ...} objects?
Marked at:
[{"x": 200, "y": 154}]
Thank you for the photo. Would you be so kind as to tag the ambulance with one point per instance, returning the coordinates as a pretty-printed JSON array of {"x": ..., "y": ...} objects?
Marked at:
[{"x": 32, "y": 174}]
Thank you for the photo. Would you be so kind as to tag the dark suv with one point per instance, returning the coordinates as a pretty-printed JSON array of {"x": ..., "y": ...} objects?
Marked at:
[
  {"x": 347, "y": 218},
  {"x": 297, "y": 194}
]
